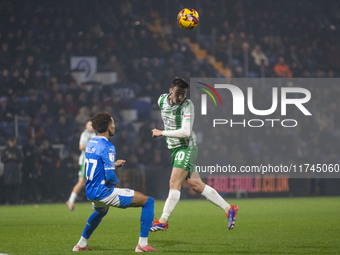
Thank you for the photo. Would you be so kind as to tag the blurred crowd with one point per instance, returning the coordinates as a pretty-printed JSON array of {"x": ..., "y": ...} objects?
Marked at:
[{"x": 140, "y": 41}]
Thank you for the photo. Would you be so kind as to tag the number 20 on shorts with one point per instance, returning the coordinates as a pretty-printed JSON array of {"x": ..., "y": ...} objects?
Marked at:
[{"x": 180, "y": 155}]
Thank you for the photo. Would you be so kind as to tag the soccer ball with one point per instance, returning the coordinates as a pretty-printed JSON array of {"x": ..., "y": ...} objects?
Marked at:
[{"x": 188, "y": 18}]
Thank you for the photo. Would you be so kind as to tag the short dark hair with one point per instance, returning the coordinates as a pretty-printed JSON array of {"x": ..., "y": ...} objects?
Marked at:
[
  {"x": 179, "y": 82},
  {"x": 101, "y": 121}
]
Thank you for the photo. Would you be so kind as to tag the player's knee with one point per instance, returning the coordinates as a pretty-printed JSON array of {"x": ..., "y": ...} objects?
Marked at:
[
  {"x": 103, "y": 211},
  {"x": 197, "y": 186},
  {"x": 174, "y": 184},
  {"x": 82, "y": 183},
  {"x": 149, "y": 202}
]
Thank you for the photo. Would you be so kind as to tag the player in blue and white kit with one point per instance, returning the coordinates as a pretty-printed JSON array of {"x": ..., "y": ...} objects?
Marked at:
[{"x": 100, "y": 165}]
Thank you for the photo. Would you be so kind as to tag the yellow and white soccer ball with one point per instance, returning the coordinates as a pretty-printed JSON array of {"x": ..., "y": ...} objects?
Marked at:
[{"x": 188, "y": 18}]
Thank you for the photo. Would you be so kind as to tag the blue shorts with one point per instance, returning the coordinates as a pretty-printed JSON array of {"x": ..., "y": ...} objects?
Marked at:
[{"x": 121, "y": 198}]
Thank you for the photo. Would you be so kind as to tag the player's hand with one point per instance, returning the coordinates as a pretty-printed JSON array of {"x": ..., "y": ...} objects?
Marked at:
[
  {"x": 120, "y": 162},
  {"x": 156, "y": 132}
]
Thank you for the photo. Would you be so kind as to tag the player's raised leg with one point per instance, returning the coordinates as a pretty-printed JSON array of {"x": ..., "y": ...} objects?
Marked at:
[
  {"x": 148, "y": 205},
  {"x": 213, "y": 196},
  {"x": 178, "y": 176}
]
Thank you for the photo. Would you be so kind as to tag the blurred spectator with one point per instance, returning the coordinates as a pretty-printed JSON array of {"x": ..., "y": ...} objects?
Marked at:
[
  {"x": 27, "y": 80},
  {"x": 113, "y": 65},
  {"x": 5, "y": 81},
  {"x": 65, "y": 127},
  {"x": 240, "y": 39},
  {"x": 82, "y": 99},
  {"x": 71, "y": 107},
  {"x": 293, "y": 55},
  {"x": 75, "y": 90},
  {"x": 7, "y": 111},
  {"x": 60, "y": 68},
  {"x": 50, "y": 129},
  {"x": 83, "y": 115},
  {"x": 260, "y": 59},
  {"x": 238, "y": 72},
  {"x": 29, "y": 176},
  {"x": 18, "y": 84},
  {"x": 42, "y": 114},
  {"x": 48, "y": 162},
  {"x": 296, "y": 69},
  {"x": 156, "y": 172},
  {"x": 282, "y": 69},
  {"x": 33, "y": 104},
  {"x": 38, "y": 80},
  {"x": 5, "y": 57},
  {"x": 145, "y": 154},
  {"x": 35, "y": 130},
  {"x": 221, "y": 49},
  {"x": 31, "y": 65},
  {"x": 12, "y": 158},
  {"x": 56, "y": 104}
]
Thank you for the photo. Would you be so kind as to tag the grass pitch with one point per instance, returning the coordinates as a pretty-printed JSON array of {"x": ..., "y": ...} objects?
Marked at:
[{"x": 263, "y": 226}]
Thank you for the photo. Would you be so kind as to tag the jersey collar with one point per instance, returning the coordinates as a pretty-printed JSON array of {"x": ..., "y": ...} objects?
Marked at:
[{"x": 100, "y": 137}]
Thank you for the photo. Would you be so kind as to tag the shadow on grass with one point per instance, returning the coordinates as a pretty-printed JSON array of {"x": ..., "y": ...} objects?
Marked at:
[
  {"x": 159, "y": 244},
  {"x": 169, "y": 242},
  {"x": 163, "y": 247},
  {"x": 195, "y": 252},
  {"x": 112, "y": 250}
]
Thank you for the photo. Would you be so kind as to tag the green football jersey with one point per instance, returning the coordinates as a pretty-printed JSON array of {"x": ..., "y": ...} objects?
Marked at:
[{"x": 173, "y": 116}]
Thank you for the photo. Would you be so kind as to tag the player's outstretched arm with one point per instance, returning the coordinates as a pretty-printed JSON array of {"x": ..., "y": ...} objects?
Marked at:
[{"x": 183, "y": 132}]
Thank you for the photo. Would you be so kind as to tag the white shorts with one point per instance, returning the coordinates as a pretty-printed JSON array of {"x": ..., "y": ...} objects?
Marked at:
[{"x": 121, "y": 198}]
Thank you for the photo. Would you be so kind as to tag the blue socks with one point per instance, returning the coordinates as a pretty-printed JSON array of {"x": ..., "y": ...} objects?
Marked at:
[
  {"x": 94, "y": 221},
  {"x": 147, "y": 217}
]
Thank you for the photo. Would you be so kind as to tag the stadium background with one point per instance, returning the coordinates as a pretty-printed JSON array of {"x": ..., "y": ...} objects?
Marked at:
[{"x": 138, "y": 49}]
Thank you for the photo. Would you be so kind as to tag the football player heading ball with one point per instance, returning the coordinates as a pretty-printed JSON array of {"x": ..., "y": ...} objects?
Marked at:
[{"x": 177, "y": 113}]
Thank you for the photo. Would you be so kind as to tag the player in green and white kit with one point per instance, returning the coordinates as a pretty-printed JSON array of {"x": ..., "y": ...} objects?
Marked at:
[
  {"x": 178, "y": 116},
  {"x": 85, "y": 136}
]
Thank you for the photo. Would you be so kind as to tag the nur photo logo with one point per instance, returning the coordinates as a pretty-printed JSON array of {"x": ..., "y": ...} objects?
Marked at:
[
  {"x": 242, "y": 104},
  {"x": 204, "y": 97}
]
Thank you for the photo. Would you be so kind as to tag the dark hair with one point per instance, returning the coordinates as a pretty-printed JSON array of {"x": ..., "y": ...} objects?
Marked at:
[
  {"x": 178, "y": 82},
  {"x": 101, "y": 121}
]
